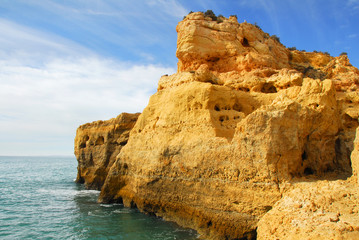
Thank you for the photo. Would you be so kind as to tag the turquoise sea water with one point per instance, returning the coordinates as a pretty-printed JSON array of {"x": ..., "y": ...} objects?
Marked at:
[{"x": 40, "y": 200}]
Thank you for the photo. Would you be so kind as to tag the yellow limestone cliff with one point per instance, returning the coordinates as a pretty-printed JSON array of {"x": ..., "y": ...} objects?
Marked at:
[
  {"x": 97, "y": 145},
  {"x": 243, "y": 125}
]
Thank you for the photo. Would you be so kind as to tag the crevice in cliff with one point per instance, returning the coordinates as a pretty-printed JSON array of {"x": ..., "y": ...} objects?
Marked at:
[{"x": 251, "y": 235}]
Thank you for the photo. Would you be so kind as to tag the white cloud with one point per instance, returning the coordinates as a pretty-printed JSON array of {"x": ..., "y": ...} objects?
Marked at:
[
  {"x": 170, "y": 7},
  {"x": 29, "y": 46},
  {"x": 50, "y": 85}
]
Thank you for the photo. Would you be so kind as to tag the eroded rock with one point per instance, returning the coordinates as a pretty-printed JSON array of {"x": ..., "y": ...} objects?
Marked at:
[
  {"x": 313, "y": 210},
  {"x": 97, "y": 145},
  {"x": 242, "y": 127},
  {"x": 355, "y": 158}
]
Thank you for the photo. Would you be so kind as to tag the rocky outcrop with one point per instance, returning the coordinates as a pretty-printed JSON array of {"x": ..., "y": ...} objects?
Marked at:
[
  {"x": 97, "y": 145},
  {"x": 313, "y": 210},
  {"x": 355, "y": 158},
  {"x": 316, "y": 209},
  {"x": 226, "y": 142}
]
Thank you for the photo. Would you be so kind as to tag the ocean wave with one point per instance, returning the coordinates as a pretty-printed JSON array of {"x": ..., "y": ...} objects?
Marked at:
[
  {"x": 106, "y": 205},
  {"x": 123, "y": 210},
  {"x": 87, "y": 192}
]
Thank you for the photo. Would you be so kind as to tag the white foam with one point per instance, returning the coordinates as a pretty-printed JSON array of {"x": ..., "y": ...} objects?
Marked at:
[{"x": 106, "y": 205}]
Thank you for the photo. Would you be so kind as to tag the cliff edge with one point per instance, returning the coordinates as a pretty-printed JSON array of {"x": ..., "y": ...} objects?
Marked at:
[
  {"x": 243, "y": 125},
  {"x": 97, "y": 145}
]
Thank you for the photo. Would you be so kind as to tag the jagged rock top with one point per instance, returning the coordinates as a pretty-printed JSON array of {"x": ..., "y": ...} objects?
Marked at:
[
  {"x": 242, "y": 56},
  {"x": 123, "y": 118}
]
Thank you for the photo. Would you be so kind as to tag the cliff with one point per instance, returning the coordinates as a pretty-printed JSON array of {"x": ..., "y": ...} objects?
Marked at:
[
  {"x": 242, "y": 125},
  {"x": 97, "y": 145},
  {"x": 323, "y": 209}
]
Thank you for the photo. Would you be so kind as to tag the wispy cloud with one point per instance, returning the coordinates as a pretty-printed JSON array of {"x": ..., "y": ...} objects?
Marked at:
[
  {"x": 49, "y": 85},
  {"x": 30, "y": 46},
  {"x": 124, "y": 29},
  {"x": 169, "y": 7},
  {"x": 354, "y": 35}
]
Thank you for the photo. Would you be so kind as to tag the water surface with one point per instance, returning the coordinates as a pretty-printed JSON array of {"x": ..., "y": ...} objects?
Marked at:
[{"x": 40, "y": 200}]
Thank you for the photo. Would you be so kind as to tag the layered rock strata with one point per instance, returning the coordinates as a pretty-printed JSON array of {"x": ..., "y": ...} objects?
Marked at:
[
  {"x": 97, "y": 145},
  {"x": 242, "y": 125}
]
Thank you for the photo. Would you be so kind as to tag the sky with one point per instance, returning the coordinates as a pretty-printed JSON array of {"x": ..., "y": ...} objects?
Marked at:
[{"x": 68, "y": 62}]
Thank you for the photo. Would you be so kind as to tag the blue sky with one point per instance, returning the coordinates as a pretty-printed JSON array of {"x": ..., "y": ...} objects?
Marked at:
[{"x": 65, "y": 63}]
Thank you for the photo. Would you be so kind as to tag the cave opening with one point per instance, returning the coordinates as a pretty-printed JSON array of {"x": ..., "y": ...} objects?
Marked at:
[
  {"x": 245, "y": 42},
  {"x": 308, "y": 171}
]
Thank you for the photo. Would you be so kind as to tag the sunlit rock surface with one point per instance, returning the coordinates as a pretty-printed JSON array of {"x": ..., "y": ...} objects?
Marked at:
[
  {"x": 97, "y": 145},
  {"x": 244, "y": 130}
]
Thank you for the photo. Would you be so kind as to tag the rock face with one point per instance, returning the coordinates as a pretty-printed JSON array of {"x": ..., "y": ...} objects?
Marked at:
[
  {"x": 314, "y": 210},
  {"x": 355, "y": 158},
  {"x": 97, "y": 145},
  {"x": 224, "y": 139}
]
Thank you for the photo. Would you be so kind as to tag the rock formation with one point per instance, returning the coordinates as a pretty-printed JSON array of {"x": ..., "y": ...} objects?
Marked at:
[
  {"x": 246, "y": 125},
  {"x": 355, "y": 158},
  {"x": 314, "y": 210},
  {"x": 97, "y": 145}
]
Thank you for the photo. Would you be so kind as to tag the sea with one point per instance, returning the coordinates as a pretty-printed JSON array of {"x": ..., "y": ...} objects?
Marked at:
[{"x": 40, "y": 200}]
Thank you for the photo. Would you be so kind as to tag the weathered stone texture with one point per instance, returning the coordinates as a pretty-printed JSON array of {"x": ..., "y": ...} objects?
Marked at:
[
  {"x": 97, "y": 145},
  {"x": 245, "y": 126}
]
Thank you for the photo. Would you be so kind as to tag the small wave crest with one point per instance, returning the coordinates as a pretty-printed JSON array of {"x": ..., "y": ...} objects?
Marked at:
[
  {"x": 87, "y": 192},
  {"x": 123, "y": 210}
]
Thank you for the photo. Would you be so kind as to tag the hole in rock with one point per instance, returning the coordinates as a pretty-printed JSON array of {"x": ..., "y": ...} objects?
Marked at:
[
  {"x": 209, "y": 223},
  {"x": 268, "y": 88},
  {"x": 197, "y": 106},
  {"x": 123, "y": 143},
  {"x": 222, "y": 118},
  {"x": 244, "y": 89},
  {"x": 308, "y": 171},
  {"x": 100, "y": 140},
  {"x": 216, "y": 108},
  {"x": 245, "y": 42},
  {"x": 304, "y": 156},
  {"x": 83, "y": 143}
]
